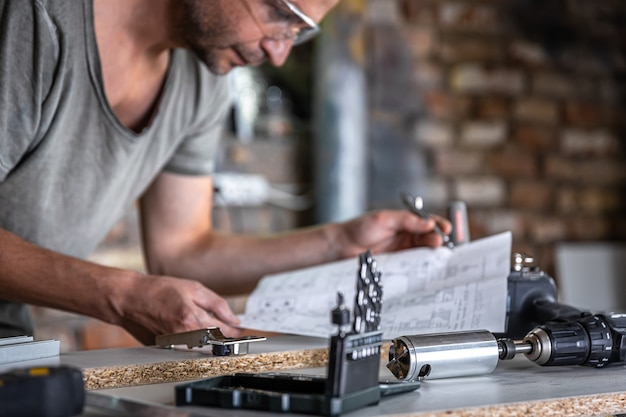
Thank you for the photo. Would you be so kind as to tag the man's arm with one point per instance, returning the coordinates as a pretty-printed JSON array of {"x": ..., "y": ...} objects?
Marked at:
[
  {"x": 179, "y": 239},
  {"x": 144, "y": 305}
]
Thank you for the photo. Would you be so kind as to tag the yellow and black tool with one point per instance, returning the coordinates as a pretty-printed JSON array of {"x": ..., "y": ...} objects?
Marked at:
[{"x": 42, "y": 391}]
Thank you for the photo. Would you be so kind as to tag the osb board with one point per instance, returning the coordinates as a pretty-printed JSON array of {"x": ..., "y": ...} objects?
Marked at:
[{"x": 198, "y": 368}]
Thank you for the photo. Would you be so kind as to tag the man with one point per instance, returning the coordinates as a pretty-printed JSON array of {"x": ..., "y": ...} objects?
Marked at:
[{"x": 103, "y": 102}]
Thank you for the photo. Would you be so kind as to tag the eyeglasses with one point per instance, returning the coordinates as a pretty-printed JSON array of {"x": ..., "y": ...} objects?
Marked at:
[
  {"x": 283, "y": 20},
  {"x": 301, "y": 33}
]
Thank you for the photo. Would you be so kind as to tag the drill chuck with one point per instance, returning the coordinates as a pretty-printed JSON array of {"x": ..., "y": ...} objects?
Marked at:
[{"x": 587, "y": 341}]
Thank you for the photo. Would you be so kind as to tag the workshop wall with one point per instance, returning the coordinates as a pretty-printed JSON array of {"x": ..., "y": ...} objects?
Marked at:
[{"x": 515, "y": 107}]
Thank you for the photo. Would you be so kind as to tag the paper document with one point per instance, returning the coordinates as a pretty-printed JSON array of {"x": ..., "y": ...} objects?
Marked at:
[{"x": 424, "y": 291}]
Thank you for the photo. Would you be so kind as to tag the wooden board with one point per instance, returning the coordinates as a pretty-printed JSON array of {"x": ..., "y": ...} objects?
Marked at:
[{"x": 113, "y": 368}]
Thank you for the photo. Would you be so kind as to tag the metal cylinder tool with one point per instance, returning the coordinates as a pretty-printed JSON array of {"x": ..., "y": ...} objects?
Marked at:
[
  {"x": 443, "y": 355},
  {"x": 594, "y": 340}
]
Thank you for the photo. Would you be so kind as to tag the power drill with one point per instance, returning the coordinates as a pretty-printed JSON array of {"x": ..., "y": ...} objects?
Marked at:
[
  {"x": 555, "y": 333},
  {"x": 547, "y": 332}
]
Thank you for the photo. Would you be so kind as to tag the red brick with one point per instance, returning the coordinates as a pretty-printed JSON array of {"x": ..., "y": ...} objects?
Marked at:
[
  {"x": 443, "y": 105},
  {"x": 454, "y": 162},
  {"x": 469, "y": 78},
  {"x": 548, "y": 229},
  {"x": 470, "y": 16},
  {"x": 535, "y": 138},
  {"x": 483, "y": 134},
  {"x": 558, "y": 168},
  {"x": 600, "y": 200},
  {"x": 583, "y": 114},
  {"x": 473, "y": 78},
  {"x": 590, "y": 228},
  {"x": 489, "y": 222},
  {"x": 588, "y": 200},
  {"x": 434, "y": 133},
  {"x": 495, "y": 107},
  {"x": 567, "y": 200},
  {"x": 533, "y": 195},
  {"x": 513, "y": 164},
  {"x": 528, "y": 54},
  {"x": 553, "y": 84},
  {"x": 480, "y": 191},
  {"x": 537, "y": 110},
  {"x": 583, "y": 142},
  {"x": 603, "y": 171},
  {"x": 462, "y": 49},
  {"x": 507, "y": 81}
]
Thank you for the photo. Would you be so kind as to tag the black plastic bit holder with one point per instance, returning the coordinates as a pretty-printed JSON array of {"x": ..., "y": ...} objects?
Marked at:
[{"x": 351, "y": 382}]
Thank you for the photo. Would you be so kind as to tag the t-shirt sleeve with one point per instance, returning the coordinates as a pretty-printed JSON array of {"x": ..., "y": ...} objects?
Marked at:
[
  {"x": 196, "y": 153},
  {"x": 29, "y": 54}
]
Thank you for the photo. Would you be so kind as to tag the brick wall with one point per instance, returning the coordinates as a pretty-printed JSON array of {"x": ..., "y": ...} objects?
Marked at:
[{"x": 515, "y": 107}]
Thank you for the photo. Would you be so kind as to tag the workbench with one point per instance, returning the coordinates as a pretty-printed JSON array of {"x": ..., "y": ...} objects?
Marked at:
[{"x": 516, "y": 388}]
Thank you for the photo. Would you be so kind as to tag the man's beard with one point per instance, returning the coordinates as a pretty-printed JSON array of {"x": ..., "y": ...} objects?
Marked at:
[
  {"x": 209, "y": 34},
  {"x": 203, "y": 23}
]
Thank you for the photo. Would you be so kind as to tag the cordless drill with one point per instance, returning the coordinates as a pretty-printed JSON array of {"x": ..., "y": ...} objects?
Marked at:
[
  {"x": 545, "y": 331},
  {"x": 553, "y": 333}
]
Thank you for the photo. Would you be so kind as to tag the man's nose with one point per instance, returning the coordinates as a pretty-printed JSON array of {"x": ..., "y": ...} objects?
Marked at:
[{"x": 277, "y": 51}]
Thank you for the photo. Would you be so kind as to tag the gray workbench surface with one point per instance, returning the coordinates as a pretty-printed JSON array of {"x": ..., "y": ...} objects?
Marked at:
[{"x": 515, "y": 388}]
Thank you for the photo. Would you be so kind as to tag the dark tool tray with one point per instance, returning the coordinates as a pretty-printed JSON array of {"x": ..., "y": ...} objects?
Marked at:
[{"x": 281, "y": 393}]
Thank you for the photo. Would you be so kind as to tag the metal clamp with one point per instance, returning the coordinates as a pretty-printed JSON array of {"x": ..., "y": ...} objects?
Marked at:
[{"x": 222, "y": 345}]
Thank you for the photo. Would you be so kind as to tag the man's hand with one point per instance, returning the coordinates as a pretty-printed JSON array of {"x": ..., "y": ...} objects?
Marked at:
[
  {"x": 388, "y": 231},
  {"x": 153, "y": 305}
]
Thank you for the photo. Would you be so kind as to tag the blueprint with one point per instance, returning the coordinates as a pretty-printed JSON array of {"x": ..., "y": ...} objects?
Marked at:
[{"x": 424, "y": 291}]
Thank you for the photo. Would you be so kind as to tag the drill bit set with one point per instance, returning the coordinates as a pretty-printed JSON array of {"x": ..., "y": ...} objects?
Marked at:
[{"x": 352, "y": 373}]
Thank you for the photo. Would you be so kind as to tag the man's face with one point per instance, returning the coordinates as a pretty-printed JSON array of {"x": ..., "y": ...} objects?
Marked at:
[{"x": 228, "y": 33}]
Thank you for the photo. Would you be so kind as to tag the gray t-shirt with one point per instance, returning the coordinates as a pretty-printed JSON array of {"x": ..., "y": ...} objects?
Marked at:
[{"x": 68, "y": 168}]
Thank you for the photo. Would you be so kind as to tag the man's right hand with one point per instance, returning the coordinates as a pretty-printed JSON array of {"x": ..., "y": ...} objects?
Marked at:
[{"x": 151, "y": 305}]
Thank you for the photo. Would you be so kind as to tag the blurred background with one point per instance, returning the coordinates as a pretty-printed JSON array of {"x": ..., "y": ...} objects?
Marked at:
[{"x": 515, "y": 107}]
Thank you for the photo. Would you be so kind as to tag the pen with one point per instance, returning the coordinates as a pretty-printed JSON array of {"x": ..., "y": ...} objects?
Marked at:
[{"x": 416, "y": 206}]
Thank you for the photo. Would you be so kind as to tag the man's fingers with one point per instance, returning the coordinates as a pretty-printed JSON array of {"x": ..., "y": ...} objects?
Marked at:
[
  {"x": 444, "y": 224},
  {"x": 416, "y": 224},
  {"x": 218, "y": 307}
]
